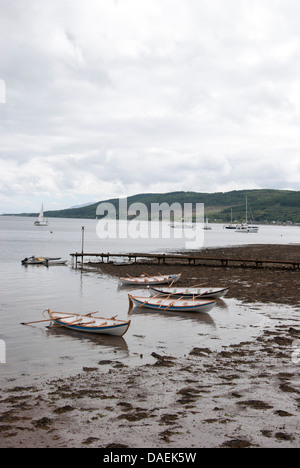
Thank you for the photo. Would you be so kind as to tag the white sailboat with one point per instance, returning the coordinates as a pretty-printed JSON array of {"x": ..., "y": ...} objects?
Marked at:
[
  {"x": 245, "y": 227},
  {"x": 207, "y": 227},
  {"x": 230, "y": 226},
  {"x": 41, "y": 221}
]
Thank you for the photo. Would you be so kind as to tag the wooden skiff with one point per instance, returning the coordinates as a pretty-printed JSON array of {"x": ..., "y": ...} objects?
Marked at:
[
  {"x": 171, "y": 305},
  {"x": 214, "y": 293},
  {"x": 89, "y": 324},
  {"x": 55, "y": 262},
  {"x": 142, "y": 280}
]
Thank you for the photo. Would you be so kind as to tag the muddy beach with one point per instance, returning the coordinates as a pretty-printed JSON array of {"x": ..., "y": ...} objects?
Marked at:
[
  {"x": 246, "y": 395},
  {"x": 267, "y": 284}
]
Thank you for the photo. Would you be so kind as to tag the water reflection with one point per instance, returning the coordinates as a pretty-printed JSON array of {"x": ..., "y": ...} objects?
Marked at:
[
  {"x": 222, "y": 304},
  {"x": 199, "y": 317},
  {"x": 115, "y": 343}
]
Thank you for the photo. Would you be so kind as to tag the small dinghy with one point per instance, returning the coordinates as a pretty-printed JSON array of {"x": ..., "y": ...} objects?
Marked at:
[
  {"x": 38, "y": 260},
  {"x": 89, "y": 324},
  {"x": 145, "y": 279},
  {"x": 213, "y": 293},
  {"x": 172, "y": 305},
  {"x": 50, "y": 262}
]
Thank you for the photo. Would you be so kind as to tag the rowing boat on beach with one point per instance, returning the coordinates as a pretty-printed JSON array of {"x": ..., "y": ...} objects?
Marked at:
[
  {"x": 213, "y": 293},
  {"x": 145, "y": 279},
  {"x": 89, "y": 324},
  {"x": 172, "y": 305}
]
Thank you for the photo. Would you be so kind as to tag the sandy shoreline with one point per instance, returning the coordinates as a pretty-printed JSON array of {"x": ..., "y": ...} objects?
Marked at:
[{"x": 247, "y": 395}]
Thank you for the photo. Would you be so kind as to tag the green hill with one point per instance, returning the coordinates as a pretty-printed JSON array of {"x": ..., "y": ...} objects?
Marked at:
[{"x": 266, "y": 205}]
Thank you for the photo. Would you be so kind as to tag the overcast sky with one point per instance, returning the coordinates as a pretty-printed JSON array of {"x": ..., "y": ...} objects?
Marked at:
[{"x": 107, "y": 98}]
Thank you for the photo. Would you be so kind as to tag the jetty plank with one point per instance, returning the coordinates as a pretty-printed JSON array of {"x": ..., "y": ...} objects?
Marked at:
[{"x": 190, "y": 260}]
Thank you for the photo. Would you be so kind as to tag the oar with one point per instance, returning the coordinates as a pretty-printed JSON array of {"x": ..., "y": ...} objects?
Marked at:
[
  {"x": 92, "y": 313},
  {"x": 165, "y": 300},
  {"x": 175, "y": 279},
  {"x": 37, "y": 321},
  {"x": 199, "y": 295},
  {"x": 131, "y": 304},
  {"x": 149, "y": 298},
  {"x": 196, "y": 285},
  {"x": 171, "y": 283},
  {"x": 88, "y": 323},
  {"x": 149, "y": 276},
  {"x": 172, "y": 303}
]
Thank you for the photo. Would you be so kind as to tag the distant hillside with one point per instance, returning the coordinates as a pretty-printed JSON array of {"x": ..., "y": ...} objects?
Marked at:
[{"x": 266, "y": 205}]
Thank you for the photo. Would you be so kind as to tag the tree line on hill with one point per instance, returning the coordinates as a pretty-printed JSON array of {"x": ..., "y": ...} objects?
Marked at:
[{"x": 266, "y": 205}]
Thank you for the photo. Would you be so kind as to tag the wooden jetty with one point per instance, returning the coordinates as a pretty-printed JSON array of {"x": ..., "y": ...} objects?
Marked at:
[{"x": 193, "y": 260}]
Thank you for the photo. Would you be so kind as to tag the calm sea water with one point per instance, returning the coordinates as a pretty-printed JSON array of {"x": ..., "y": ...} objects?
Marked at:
[{"x": 34, "y": 352}]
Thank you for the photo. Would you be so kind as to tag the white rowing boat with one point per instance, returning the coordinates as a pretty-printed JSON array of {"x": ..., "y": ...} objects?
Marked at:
[
  {"x": 172, "y": 305},
  {"x": 146, "y": 280},
  {"x": 55, "y": 262},
  {"x": 213, "y": 293},
  {"x": 89, "y": 324}
]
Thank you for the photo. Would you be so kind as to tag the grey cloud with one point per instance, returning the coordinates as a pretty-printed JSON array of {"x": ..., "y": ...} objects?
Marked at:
[{"x": 114, "y": 97}]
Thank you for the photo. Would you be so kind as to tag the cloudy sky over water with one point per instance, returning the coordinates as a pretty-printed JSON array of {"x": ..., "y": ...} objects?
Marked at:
[{"x": 105, "y": 98}]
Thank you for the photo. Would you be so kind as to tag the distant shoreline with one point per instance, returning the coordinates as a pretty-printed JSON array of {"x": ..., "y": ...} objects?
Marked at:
[
  {"x": 35, "y": 215},
  {"x": 267, "y": 205}
]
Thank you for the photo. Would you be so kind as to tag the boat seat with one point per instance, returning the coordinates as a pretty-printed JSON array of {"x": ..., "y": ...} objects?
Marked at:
[
  {"x": 88, "y": 323},
  {"x": 74, "y": 321}
]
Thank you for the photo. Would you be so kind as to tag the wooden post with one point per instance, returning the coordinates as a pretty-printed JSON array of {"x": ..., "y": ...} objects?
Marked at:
[{"x": 82, "y": 245}]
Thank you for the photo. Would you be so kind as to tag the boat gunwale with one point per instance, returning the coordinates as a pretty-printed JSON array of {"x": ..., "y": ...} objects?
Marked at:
[
  {"x": 148, "y": 279},
  {"x": 197, "y": 303},
  {"x": 123, "y": 323},
  {"x": 191, "y": 295}
]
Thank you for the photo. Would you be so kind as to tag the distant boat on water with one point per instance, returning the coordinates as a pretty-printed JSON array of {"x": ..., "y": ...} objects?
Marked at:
[
  {"x": 230, "y": 226},
  {"x": 207, "y": 227},
  {"x": 245, "y": 227},
  {"x": 41, "y": 221}
]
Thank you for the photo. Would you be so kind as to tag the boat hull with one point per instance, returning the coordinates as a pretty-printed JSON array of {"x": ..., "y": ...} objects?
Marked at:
[
  {"x": 40, "y": 260},
  {"x": 247, "y": 229},
  {"x": 88, "y": 324},
  {"x": 146, "y": 280},
  {"x": 55, "y": 262},
  {"x": 206, "y": 293},
  {"x": 33, "y": 262},
  {"x": 172, "y": 305}
]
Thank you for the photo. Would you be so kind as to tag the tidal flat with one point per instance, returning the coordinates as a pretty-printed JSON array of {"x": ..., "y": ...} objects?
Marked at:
[{"x": 246, "y": 394}]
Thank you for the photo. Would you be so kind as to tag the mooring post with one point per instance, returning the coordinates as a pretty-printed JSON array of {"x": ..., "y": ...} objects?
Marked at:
[{"x": 82, "y": 245}]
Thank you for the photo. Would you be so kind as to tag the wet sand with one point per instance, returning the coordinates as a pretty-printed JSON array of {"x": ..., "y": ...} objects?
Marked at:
[{"x": 246, "y": 395}]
